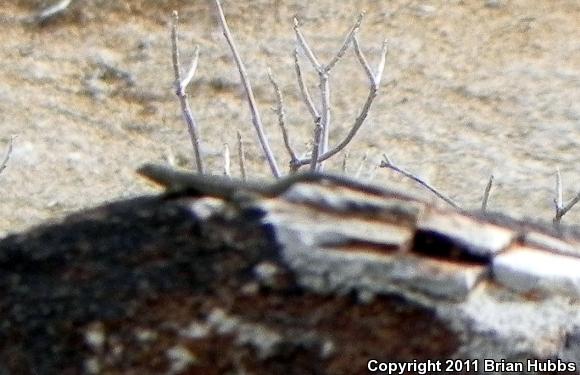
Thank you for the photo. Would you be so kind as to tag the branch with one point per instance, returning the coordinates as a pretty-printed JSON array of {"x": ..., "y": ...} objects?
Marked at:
[
  {"x": 344, "y": 160},
  {"x": 305, "y": 47},
  {"x": 7, "y": 154},
  {"x": 227, "y": 170},
  {"x": 362, "y": 164},
  {"x": 180, "y": 86},
  {"x": 375, "y": 80},
  {"x": 486, "y": 194},
  {"x": 347, "y": 40},
  {"x": 241, "y": 156},
  {"x": 321, "y": 142},
  {"x": 52, "y": 11},
  {"x": 282, "y": 120},
  {"x": 324, "y": 120},
  {"x": 256, "y": 120},
  {"x": 562, "y": 209},
  {"x": 316, "y": 146},
  {"x": 387, "y": 163},
  {"x": 304, "y": 89}
]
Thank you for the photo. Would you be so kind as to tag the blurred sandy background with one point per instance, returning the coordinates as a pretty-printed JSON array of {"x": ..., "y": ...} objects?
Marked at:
[{"x": 470, "y": 88}]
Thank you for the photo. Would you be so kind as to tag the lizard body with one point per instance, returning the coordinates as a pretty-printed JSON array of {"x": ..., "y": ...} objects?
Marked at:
[{"x": 223, "y": 187}]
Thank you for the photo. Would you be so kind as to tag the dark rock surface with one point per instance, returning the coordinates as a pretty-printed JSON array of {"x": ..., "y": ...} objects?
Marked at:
[{"x": 142, "y": 286}]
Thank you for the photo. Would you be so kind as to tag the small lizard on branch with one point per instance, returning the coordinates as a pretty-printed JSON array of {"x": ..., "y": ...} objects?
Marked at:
[{"x": 222, "y": 187}]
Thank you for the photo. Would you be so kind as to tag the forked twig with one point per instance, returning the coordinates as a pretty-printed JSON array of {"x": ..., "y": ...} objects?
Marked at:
[
  {"x": 486, "y": 194},
  {"x": 7, "y": 154},
  {"x": 282, "y": 120},
  {"x": 347, "y": 40},
  {"x": 180, "y": 86},
  {"x": 387, "y": 163},
  {"x": 562, "y": 209},
  {"x": 374, "y": 85},
  {"x": 322, "y": 117},
  {"x": 256, "y": 120}
]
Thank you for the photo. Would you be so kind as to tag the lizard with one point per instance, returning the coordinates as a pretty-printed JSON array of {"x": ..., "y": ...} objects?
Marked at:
[{"x": 177, "y": 182}]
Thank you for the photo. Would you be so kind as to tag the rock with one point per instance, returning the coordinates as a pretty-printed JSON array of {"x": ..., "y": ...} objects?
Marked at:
[{"x": 159, "y": 285}]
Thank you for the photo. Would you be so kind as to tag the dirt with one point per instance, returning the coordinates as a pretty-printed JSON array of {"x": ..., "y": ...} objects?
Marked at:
[{"x": 470, "y": 88}]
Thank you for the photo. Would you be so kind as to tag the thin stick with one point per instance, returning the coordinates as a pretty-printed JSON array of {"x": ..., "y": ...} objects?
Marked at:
[
  {"x": 344, "y": 159},
  {"x": 180, "y": 86},
  {"x": 363, "y": 61},
  {"x": 227, "y": 171},
  {"x": 282, "y": 118},
  {"x": 305, "y": 47},
  {"x": 52, "y": 11},
  {"x": 315, "y": 146},
  {"x": 381, "y": 64},
  {"x": 241, "y": 156},
  {"x": 347, "y": 40},
  {"x": 256, "y": 120},
  {"x": 7, "y": 154},
  {"x": 325, "y": 118},
  {"x": 569, "y": 206},
  {"x": 304, "y": 89},
  {"x": 562, "y": 209},
  {"x": 559, "y": 200},
  {"x": 362, "y": 164},
  {"x": 387, "y": 163},
  {"x": 486, "y": 194}
]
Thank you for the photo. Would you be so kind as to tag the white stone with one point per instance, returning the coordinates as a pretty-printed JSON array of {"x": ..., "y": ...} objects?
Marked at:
[{"x": 527, "y": 270}]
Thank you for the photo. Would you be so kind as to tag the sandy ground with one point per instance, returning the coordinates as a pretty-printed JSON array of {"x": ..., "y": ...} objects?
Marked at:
[{"x": 470, "y": 88}]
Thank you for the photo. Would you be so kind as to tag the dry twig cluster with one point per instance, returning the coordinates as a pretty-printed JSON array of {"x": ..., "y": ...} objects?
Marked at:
[{"x": 321, "y": 115}]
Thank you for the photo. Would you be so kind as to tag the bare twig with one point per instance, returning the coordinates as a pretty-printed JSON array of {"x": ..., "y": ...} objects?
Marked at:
[
  {"x": 381, "y": 64},
  {"x": 344, "y": 159},
  {"x": 569, "y": 205},
  {"x": 304, "y": 45},
  {"x": 562, "y": 209},
  {"x": 375, "y": 80},
  {"x": 180, "y": 86},
  {"x": 559, "y": 200},
  {"x": 227, "y": 170},
  {"x": 324, "y": 119},
  {"x": 282, "y": 120},
  {"x": 361, "y": 165},
  {"x": 363, "y": 61},
  {"x": 347, "y": 40},
  {"x": 304, "y": 89},
  {"x": 323, "y": 74},
  {"x": 387, "y": 163},
  {"x": 52, "y": 11},
  {"x": 486, "y": 193},
  {"x": 315, "y": 146},
  {"x": 256, "y": 120},
  {"x": 7, "y": 154},
  {"x": 241, "y": 156}
]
